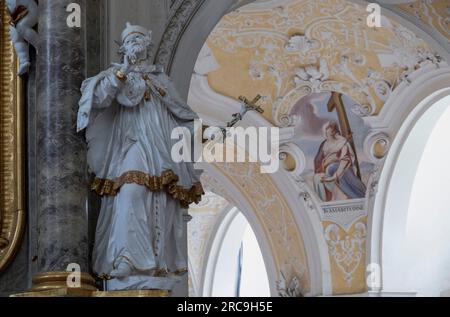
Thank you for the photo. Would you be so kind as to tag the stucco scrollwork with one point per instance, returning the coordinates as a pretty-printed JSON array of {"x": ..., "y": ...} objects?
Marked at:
[
  {"x": 303, "y": 47},
  {"x": 347, "y": 249},
  {"x": 376, "y": 146}
]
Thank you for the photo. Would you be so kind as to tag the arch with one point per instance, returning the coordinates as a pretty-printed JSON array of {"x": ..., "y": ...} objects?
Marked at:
[
  {"x": 229, "y": 229},
  {"x": 194, "y": 20},
  {"x": 212, "y": 249},
  {"x": 407, "y": 230},
  {"x": 302, "y": 204},
  {"x": 415, "y": 99},
  {"x": 178, "y": 52},
  {"x": 185, "y": 35},
  {"x": 238, "y": 199}
]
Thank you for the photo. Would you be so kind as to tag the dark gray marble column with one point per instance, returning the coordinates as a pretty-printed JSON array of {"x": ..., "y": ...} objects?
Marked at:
[{"x": 61, "y": 178}]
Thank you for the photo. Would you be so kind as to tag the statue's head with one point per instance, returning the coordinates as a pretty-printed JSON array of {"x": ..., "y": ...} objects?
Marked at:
[{"x": 136, "y": 43}]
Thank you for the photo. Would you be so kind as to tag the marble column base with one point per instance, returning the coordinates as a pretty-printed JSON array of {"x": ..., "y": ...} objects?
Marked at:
[
  {"x": 55, "y": 284},
  {"x": 59, "y": 280}
]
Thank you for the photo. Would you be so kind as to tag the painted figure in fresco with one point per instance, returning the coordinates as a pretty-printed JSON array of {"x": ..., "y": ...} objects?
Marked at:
[
  {"x": 335, "y": 168},
  {"x": 23, "y": 17},
  {"x": 130, "y": 111}
]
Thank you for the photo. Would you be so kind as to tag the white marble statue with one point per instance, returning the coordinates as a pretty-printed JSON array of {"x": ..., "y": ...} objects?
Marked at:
[
  {"x": 129, "y": 111},
  {"x": 24, "y": 16}
]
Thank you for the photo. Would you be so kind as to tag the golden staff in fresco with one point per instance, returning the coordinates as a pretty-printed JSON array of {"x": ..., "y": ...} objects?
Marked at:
[{"x": 336, "y": 103}]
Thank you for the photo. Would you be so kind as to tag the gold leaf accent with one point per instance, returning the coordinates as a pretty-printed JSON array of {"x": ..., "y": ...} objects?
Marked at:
[
  {"x": 12, "y": 213},
  {"x": 167, "y": 181}
]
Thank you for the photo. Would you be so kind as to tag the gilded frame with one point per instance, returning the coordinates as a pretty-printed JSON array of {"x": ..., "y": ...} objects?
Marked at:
[{"x": 12, "y": 185}]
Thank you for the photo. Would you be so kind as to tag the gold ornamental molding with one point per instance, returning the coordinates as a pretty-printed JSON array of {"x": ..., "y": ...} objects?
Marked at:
[
  {"x": 54, "y": 284},
  {"x": 58, "y": 280},
  {"x": 12, "y": 211},
  {"x": 78, "y": 292}
]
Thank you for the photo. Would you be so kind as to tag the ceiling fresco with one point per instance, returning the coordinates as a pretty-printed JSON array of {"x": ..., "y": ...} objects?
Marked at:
[{"x": 296, "y": 48}]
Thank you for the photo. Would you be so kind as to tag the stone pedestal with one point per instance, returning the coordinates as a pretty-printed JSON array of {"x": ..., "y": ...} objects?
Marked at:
[{"x": 61, "y": 180}]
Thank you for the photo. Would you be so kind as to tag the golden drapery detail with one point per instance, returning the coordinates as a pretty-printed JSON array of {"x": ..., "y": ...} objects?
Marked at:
[
  {"x": 17, "y": 15},
  {"x": 168, "y": 181}
]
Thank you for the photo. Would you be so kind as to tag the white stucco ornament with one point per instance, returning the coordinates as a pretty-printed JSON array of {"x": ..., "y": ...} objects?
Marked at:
[{"x": 23, "y": 17}]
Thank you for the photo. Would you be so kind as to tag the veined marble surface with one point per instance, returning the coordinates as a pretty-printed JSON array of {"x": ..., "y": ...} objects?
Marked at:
[{"x": 62, "y": 186}]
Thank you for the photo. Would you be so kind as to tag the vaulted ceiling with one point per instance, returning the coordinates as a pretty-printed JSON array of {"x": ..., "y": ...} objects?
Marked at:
[
  {"x": 287, "y": 50},
  {"x": 434, "y": 13},
  {"x": 280, "y": 48}
]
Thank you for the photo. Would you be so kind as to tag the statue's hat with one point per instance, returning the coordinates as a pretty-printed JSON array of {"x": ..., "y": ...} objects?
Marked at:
[{"x": 134, "y": 29}]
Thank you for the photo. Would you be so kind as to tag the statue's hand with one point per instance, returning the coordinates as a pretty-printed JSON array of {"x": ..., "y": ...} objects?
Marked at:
[
  {"x": 126, "y": 66},
  {"x": 83, "y": 118},
  {"x": 83, "y": 121}
]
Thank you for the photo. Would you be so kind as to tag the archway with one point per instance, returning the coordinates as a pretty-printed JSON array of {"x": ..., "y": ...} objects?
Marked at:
[
  {"x": 180, "y": 67},
  {"x": 416, "y": 220},
  {"x": 386, "y": 224},
  {"x": 273, "y": 224},
  {"x": 234, "y": 262}
]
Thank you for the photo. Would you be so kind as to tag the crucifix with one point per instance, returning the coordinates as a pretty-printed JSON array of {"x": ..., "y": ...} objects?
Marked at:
[
  {"x": 246, "y": 106},
  {"x": 337, "y": 104}
]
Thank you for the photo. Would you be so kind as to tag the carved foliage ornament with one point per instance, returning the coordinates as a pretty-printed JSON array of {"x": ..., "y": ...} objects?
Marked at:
[
  {"x": 289, "y": 287},
  {"x": 12, "y": 214}
]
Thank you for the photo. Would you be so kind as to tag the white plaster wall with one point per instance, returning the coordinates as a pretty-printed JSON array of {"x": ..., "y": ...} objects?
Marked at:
[
  {"x": 224, "y": 264},
  {"x": 224, "y": 281},
  {"x": 417, "y": 219},
  {"x": 254, "y": 281}
]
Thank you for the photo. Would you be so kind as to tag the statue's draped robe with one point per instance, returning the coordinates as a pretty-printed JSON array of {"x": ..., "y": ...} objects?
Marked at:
[{"x": 144, "y": 193}]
